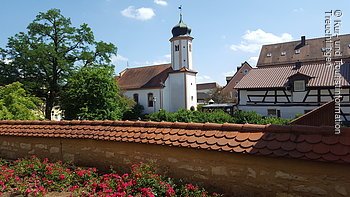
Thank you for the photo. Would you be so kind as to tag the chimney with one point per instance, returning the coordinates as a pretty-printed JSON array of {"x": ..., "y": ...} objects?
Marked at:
[
  {"x": 297, "y": 65},
  {"x": 303, "y": 43}
]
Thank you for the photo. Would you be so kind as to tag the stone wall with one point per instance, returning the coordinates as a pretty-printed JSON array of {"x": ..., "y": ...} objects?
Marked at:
[{"x": 230, "y": 173}]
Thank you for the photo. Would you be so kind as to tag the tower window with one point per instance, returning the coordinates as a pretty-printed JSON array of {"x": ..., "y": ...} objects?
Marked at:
[
  {"x": 177, "y": 47},
  {"x": 136, "y": 98},
  {"x": 190, "y": 47},
  {"x": 150, "y": 99}
]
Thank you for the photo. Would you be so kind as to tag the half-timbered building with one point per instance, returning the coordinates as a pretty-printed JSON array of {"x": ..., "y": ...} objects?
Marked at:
[{"x": 293, "y": 78}]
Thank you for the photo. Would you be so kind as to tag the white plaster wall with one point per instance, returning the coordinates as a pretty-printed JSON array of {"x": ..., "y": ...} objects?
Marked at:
[
  {"x": 177, "y": 91},
  {"x": 286, "y": 111},
  {"x": 143, "y": 98},
  {"x": 175, "y": 58},
  {"x": 191, "y": 90},
  {"x": 190, "y": 55}
]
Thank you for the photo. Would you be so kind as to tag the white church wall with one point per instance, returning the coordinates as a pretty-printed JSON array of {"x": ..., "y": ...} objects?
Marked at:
[
  {"x": 177, "y": 91},
  {"x": 143, "y": 98},
  {"x": 184, "y": 53},
  {"x": 191, "y": 99},
  {"x": 176, "y": 55}
]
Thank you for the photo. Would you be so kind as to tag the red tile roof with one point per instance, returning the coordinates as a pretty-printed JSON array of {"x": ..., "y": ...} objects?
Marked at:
[
  {"x": 299, "y": 142},
  {"x": 277, "y": 76},
  {"x": 144, "y": 77}
]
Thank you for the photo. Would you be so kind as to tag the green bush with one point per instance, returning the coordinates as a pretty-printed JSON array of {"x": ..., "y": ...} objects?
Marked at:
[
  {"x": 190, "y": 116},
  {"x": 218, "y": 116}
]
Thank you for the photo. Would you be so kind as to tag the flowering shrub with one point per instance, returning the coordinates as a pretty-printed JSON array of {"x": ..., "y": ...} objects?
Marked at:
[{"x": 33, "y": 177}]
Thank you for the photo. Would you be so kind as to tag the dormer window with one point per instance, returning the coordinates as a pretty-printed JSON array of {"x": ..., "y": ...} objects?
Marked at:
[
  {"x": 297, "y": 51},
  {"x": 177, "y": 47},
  {"x": 283, "y": 53},
  {"x": 299, "y": 85},
  {"x": 268, "y": 54}
]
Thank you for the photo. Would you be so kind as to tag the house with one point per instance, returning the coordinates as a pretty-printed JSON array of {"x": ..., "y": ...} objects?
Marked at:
[
  {"x": 204, "y": 90},
  {"x": 167, "y": 86},
  {"x": 293, "y": 78},
  {"x": 232, "y": 81}
]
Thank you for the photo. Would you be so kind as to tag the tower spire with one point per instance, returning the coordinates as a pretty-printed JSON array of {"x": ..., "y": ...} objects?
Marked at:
[{"x": 180, "y": 10}]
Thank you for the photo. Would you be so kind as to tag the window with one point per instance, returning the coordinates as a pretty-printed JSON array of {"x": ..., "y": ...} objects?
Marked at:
[
  {"x": 297, "y": 51},
  {"x": 245, "y": 71},
  {"x": 268, "y": 54},
  {"x": 136, "y": 98},
  {"x": 273, "y": 112},
  {"x": 190, "y": 47},
  {"x": 150, "y": 99},
  {"x": 283, "y": 53},
  {"x": 299, "y": 86},
  {"x": 177, "y": 47},
  {"x": 191, "y": 98}
]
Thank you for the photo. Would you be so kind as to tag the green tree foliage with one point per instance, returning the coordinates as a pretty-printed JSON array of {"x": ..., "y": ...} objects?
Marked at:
[
  {"x": 16, "y": 104},
  {"x": 219, "y": 116},
  {"x": 190, "y": 116},
  {"x": 92, "y": 94},
  {"x": 46, "y": 55}
]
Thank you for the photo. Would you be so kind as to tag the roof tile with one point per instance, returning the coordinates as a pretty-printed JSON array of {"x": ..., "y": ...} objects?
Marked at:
[{"x": 299, "y": 142}]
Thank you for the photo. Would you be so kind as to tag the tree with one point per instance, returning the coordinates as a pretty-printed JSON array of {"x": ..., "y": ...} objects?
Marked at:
[
  {"x": 52, "y": 49},
  {"x": 218, "y": 96},
  {"x": 16, "y": 104},
  {"x": 92, "y": 94}
]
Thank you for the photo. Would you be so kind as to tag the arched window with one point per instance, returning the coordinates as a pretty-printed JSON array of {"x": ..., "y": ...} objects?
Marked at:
[
  {"x": 150, "y": 99},
  {"x": 136, "y": 98}
]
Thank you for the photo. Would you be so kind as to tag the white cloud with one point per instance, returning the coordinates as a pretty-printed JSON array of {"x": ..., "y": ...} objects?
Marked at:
[
  {"x": 118, "y": 59},
  {"x": 165, "y": 59},
  {"x": 161, "y": 2},
  {"x": 253, "y": 40},
  {"x": 142, "y": 14},
  {"x": 203, "y": 78},
  {"x": 253, "y": 60}
]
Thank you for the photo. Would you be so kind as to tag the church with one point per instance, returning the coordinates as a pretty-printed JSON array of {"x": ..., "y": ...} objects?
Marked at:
[{"x": 167, "y": 86}]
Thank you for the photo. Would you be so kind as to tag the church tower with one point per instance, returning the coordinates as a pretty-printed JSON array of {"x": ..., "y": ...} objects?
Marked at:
[
  {"x": 181, "y": 46},
  {"x": 182, "y": 80}
]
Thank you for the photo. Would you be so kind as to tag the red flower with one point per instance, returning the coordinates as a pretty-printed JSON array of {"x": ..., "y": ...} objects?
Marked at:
[{"x": 62, "y": 176}]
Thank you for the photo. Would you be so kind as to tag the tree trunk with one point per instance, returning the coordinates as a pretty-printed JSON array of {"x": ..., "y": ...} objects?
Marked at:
[{"x": 49, "y": 106}]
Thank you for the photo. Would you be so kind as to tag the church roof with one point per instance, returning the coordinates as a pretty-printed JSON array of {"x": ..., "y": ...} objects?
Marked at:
[{"x": 144, "y": 77}]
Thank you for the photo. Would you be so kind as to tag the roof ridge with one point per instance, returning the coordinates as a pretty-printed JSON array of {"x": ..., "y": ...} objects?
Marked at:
[
  {"x": 314, "y": 38},
  {"x": 302, "y": 129},
  {"x": 167, "y": 64}
]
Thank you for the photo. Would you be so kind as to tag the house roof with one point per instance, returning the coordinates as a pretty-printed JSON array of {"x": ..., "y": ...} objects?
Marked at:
[
  {"x": 296, "y": 142},
  {"x": 322, "y": 115},
  {"x": 311, "y": 52},
  {"x": 144, "y": 77},
  {"x": 236, "y": 77},
  {"x": 207, "y": 86},
  {"x": 277, "y": 76}
]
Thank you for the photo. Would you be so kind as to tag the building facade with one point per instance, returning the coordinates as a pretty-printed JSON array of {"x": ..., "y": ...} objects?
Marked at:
[
  {"x": 232, "y": 81},
  {"x": 293, "y": 78},
  {"x": 168, "y": 86}
]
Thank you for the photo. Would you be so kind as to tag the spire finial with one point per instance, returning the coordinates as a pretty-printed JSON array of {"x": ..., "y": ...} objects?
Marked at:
[{"x": 180, "y": 9}]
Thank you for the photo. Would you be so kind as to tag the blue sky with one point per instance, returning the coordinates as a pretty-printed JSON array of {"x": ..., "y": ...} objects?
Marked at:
[{"x": 226, "y": 32}]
